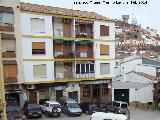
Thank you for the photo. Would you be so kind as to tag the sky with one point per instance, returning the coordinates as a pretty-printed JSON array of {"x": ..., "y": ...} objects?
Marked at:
[{"x": 147, "y": 15}]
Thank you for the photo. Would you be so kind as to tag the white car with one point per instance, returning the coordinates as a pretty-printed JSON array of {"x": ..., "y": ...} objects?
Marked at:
[
  {"x": 51, "y": 108},
  {"x": 107, "y": 116}
]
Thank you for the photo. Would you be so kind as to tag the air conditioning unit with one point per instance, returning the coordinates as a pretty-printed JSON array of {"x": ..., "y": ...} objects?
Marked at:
[
  {"x": 17, "y": 87},
  {"x": 66, "y": 21},
  {"x": 30, "y": 86},
  {"x": 83, "y": 54}
]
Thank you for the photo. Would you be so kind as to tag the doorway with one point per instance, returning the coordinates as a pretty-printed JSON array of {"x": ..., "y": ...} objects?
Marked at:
[
  {"x": 121, "y": 95},
  {"x": 59, "y": 94},
  {"x": 32, "y": 96}
]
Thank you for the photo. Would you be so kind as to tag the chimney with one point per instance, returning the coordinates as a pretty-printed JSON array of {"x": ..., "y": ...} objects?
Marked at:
[{"x": 125, "y": 18}]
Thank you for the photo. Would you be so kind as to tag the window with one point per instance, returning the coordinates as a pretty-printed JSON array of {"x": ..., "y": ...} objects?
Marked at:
[
  {"x": 83, "y": 68},
  {"x": 105, "y": 89},
  {"x": 8, "y": 45},
  {"x": 38, "y": 47},
  {"x": 104, "y": 68},
  {"x": 37, "y": 25},
  {"x": 104, "y": 49},
  {"x": 87, "y": 68},
  {"x": 39, "y": 70},
  {"x": 8, "y": 18},
  {"x": 92, "y": 68},
  {"x": 10, "y": 71},
  {"x": 77, "y": 68},
  {"x": 86, "y": 91},
  {"x": 104, "y": 30}
]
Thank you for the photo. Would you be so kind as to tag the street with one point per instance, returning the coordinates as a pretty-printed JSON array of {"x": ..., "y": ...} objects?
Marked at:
[{"x": 136, "y": 114}]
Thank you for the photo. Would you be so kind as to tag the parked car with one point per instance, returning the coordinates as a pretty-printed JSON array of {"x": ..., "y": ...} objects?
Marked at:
[
  {"x": 107, "y": 116},
  {"x": 31, "y": 109},
  {"x": 51, "y": 108},
  {"x": 70, "y": 106},
  {"x": 118, "y": 107},
  {"x": 41, "y": 103},
  {"x": 88, "y": 107},
  {"x": 102, "y": 107},
  {"x": 14, "y": 112}
]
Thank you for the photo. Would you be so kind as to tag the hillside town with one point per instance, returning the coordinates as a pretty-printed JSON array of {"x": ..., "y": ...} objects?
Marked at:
[{"x": 57, "y": 61}]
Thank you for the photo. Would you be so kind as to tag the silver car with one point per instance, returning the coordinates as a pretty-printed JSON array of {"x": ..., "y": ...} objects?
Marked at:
[
  {"x": 70, "y": 106},
  {"x": 118, "y": 107}
]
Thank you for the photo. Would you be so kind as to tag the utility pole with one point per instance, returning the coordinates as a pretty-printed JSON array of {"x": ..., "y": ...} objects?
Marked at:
[{"x": 2, "y": 91}]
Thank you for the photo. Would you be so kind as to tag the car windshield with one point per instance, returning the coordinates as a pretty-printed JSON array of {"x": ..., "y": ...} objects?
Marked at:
[
  {"x": 54, "y": 105},
  {"x": 73, "y": 105},
  {"x": 32, "y": 106},
  {"x": 123, "y": 105},
  {"x": 13, "y": 109}
]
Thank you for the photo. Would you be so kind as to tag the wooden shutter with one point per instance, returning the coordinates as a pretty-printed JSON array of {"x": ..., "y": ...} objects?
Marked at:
[
  {"x": 83, "y": 48},
  {"x": 38, "y": 45},
  {"x": 58, "y": 47},
  {"x": 10, "y": 71},
  {"x": 104, "y": 49},
  {"x": 104, "y": 30}
]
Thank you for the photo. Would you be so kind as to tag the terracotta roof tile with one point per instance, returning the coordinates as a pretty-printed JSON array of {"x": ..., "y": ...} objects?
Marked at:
[{"x": 60, "y": 11}]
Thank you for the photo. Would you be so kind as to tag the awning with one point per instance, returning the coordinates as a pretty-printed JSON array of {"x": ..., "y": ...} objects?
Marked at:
[{"x": 60, "y": 87}]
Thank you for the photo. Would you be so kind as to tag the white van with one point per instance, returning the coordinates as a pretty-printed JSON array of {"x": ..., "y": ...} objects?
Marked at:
[{"x": 107, "y": 116}]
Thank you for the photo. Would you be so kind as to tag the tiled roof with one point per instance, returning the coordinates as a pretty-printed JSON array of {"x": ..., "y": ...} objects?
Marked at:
[{"x": 60, "y": 11}]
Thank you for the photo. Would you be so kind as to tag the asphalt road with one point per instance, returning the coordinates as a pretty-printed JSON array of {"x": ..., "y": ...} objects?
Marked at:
[{"x": 136, "y": 114}]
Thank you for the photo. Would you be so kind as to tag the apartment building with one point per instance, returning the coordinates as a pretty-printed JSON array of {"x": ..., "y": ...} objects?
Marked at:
[{"x": 51, "y": 52}]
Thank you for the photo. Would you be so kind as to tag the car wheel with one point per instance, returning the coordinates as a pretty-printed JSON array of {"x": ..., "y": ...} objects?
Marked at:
[
  {"x": 116, "y": 111},
  {"x": 47, "y": 114},
  {"x": 87, "y": 112}
]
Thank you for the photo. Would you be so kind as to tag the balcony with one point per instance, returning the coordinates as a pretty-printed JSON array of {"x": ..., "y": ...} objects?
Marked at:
[
  {"x": 64, "y": 54},
  {"x": 85, "y": 75},
  {"x": 63, "y": 33},
  {"x": 68, "y": 75},
  {"x": 8, "y": 80},
  {"x": 8, "y": 54},
  {"x": 6, "y": 28},
  {"x": 84, "y": 29},
  {"x": 84, "y": 54}
]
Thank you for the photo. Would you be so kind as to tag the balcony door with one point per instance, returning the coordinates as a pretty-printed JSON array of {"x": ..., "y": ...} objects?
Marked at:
[{"x": 67, "y": 30}]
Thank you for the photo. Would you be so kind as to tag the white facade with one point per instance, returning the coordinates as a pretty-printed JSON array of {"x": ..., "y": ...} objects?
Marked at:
[
  {"x": 28, "y": 71},
  {"x": 26, "y": 24},
  {"x": 27, "y": 48}
]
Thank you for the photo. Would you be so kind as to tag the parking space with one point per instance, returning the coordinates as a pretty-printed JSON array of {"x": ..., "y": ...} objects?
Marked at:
[{"x": 136, "y": 114}]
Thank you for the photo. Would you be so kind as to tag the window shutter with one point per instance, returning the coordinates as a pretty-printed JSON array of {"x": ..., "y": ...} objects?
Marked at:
[
  {"x": 39, "y": 70},
  {"x": 10, "y": 71},
  {"x": 37, "y": 25},
  {"x": 58, "y": 47},
  {"x": 104, "y": 30},
  {"x": 38, "y": 45},
  {"x": 104, "y": 68},
  {"x": 8, "y": 45},
  {"x": 104, "y": 49}
]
